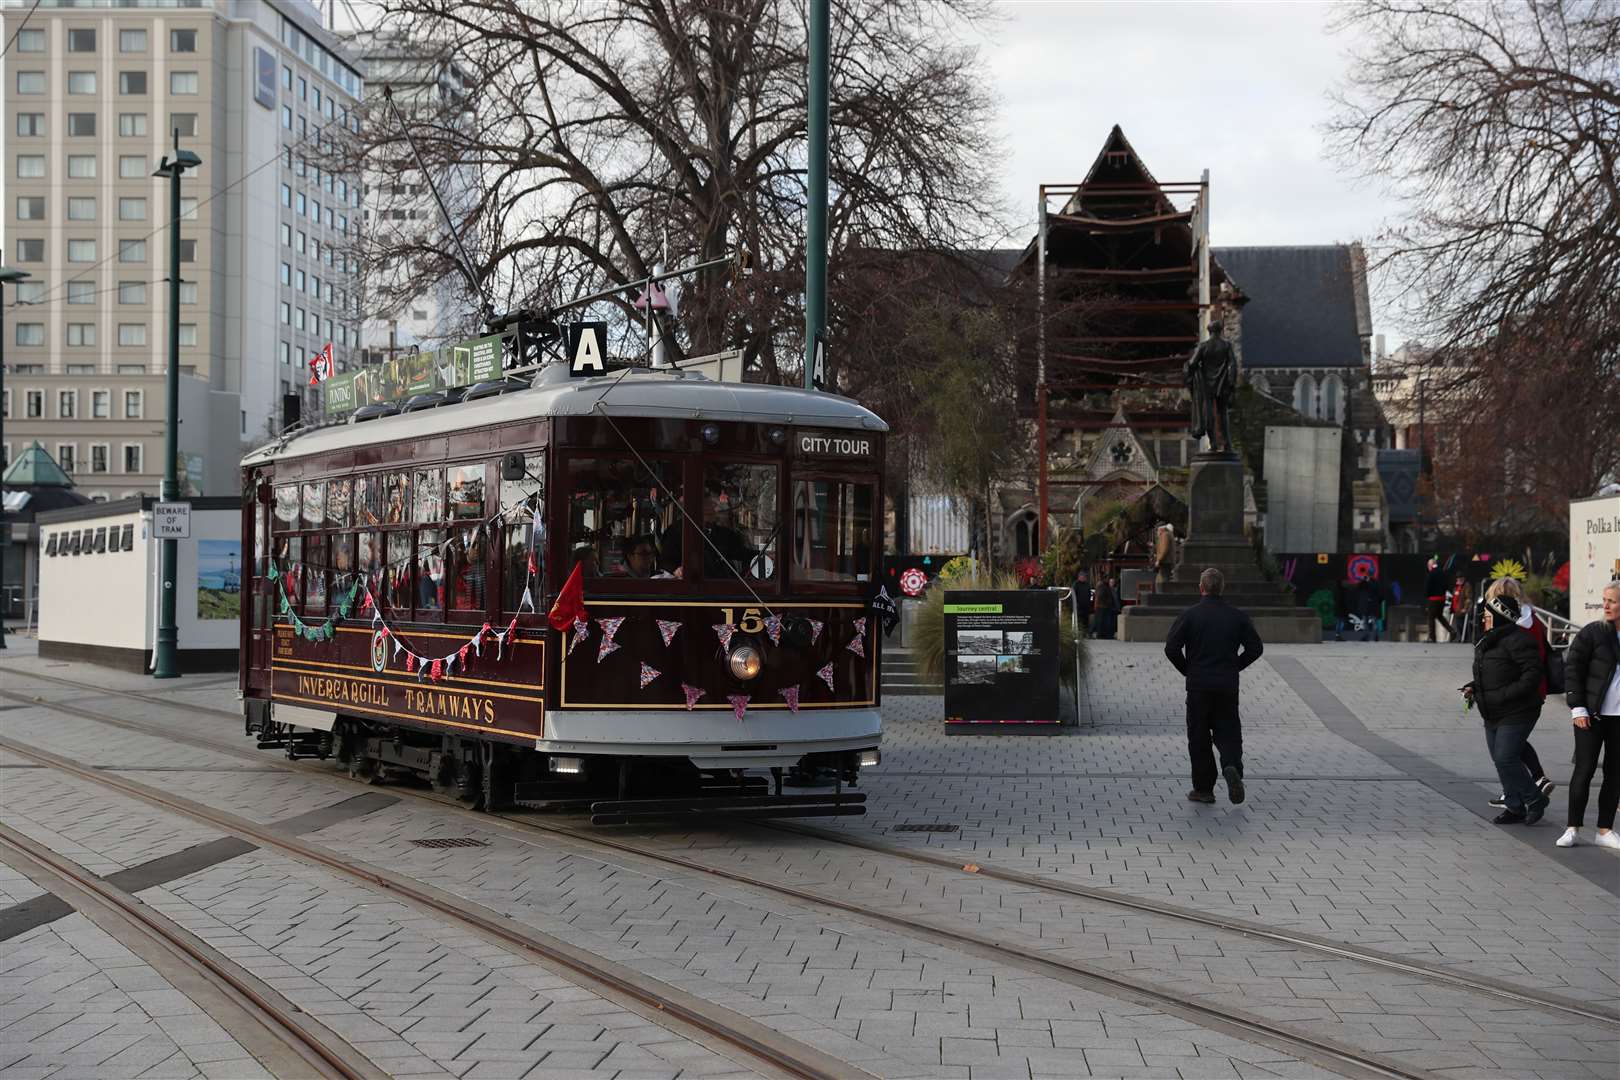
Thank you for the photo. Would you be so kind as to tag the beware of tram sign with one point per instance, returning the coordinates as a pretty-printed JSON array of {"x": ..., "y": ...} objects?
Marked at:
[
  {"x": 587, "y": 349},
  {"x": 171, "y": 521}
]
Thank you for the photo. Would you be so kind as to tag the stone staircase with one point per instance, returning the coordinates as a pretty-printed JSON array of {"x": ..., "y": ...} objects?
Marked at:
[{"x": 901, "y": 677}]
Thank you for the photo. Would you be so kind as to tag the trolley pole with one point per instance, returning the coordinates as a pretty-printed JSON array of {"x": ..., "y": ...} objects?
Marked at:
[
  {"x": 8, "y": 276},
  {"x": 815, "y": 252},
  {"x": 166, "y": 658}
]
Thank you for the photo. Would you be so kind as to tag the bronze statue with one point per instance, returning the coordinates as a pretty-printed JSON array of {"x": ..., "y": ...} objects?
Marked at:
[{"x": 1211, "y": 376}]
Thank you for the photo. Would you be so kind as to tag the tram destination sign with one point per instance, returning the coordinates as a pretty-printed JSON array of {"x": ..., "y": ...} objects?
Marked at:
[{"x": 855, "y": 445}]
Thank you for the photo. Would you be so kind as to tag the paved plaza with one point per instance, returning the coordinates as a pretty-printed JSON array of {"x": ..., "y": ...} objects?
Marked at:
[{"x": 1365, "y": 825}]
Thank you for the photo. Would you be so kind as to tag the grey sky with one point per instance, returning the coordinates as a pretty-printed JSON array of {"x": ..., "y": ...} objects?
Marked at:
[{"x": 1239, "y": 89}]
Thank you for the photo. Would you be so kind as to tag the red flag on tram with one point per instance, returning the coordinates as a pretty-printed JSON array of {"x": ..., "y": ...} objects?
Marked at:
[
  {"x": 320, "y": 365},
  {"x": 570, "y": 605}
]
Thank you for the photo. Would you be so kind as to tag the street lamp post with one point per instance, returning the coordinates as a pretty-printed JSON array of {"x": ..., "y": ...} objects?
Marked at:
[
  {"x": 166, "y": 661},
  {"x": 815, "y": 253},
  {"x": 8, "y": 276}
]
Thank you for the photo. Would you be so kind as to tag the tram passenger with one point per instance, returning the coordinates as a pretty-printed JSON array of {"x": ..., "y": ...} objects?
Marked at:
[
  {"x": 584, "y": 553},
  {"x": 640, "y": 558},
  {"x": 467, "y": 563},
  {"x": 726, "y": 552}
]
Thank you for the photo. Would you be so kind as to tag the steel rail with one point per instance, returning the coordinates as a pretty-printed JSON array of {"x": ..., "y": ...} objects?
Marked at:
[
  {"x": 1294, "y": 939},
  {"x": 781, "y": 1052},
  {"x": 281, "y": 1024}
]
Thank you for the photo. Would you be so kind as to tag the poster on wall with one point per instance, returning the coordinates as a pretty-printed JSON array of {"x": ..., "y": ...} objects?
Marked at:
[
  {"x": 219, "y": 579},
  {"x": 1001, "y": 662},
  {"x": 1594, "y": 554}
]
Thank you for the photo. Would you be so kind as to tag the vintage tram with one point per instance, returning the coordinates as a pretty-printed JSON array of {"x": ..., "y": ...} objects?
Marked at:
[{"x": 714, "y": 547}]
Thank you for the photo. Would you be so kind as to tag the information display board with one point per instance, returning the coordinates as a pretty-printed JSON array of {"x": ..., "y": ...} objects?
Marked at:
[
  {"x": 1001, "y": 662},
  {"x": 474, "y": 361}
]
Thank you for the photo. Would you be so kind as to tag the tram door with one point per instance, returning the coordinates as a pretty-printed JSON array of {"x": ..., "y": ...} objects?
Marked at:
[{"x": 261, "y": 609}]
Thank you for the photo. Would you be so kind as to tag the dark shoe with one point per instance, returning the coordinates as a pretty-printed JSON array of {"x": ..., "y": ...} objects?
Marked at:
[
  {"x": 1545, "y": 785},
  {"x": 1500, "y": 802},
  {"x": 1200, "y": 796},
  {"x": 1509, "y": 817},
  {"x": 1234, "y": 784},
  {"x": 1534, "y": 810}
]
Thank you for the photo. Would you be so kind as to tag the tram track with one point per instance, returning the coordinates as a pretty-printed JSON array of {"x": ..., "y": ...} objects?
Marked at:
[{"x": 1324, "y": 1052}]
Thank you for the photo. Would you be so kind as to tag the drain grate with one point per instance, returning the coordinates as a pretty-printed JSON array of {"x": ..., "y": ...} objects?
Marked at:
[
  {"x": 929, "y": 827},
  {"x": 451, "y": 841}
]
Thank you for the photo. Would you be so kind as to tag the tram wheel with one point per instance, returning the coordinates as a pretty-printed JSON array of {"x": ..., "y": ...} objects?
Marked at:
[{"x": 368, "y": 769}]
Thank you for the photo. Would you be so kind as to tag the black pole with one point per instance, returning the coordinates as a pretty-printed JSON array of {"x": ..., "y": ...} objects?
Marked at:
[{"x": 8, "y": 276}]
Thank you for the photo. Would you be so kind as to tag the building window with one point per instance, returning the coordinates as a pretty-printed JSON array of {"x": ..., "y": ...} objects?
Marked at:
[
  {"x": 31, "y": 41},
  {"x": 82, "y": 166},
  {"x": 188, "y": 292},
  {"x": 132, "y": 400},
  {"x": 132, "y": 251},
  {"x": 302, "y": 204},
  {"x": 184, "y": 122},
  {"x": 30, "y": 124},
  {"x": 132, "y": 335},
  {"x": 30, "y": 251},
  {"x": 132, "y": 41},
  {"x": 1333, "y": 399},
  {"x": 188, "y": 251},
  {"x": 101, "y": 404},
  {"x": 34, "y": 404},
  {"x": 30, "y": 82},
  {"x": 188, "y": 335},
  {"x": 286, "y": 235},
  {"x": 81, "y": 124},
  {"x": 286, "y": 78},
  {"x": 131, "y": 209},
  {"x": 67, "y": 404},
  {"x": 286, "y": 197},
  {"x": 286, "y": 353},
  {"x": 182, "y": 41},
  {"x": 1305, "y": 396},
  {"x": 81, "y": 41},
  {"x": 132, "y": 124},
  {"x": 303, "y": 88},
  {"x": 132, "y": 457},
  {"x": 82, "y": 334},
  {"x": 188, "y": 209},
  {"x": 132, "y": 166},
  {"x": 286, "y": 113},
  {"x": 299, "y": 246},
  {"x": 298, "y": 318},
  {"x": 81, "y": 251},
  {"x": 81, "y": 292},
  {"x": 182, "y": 82},
  {"x": 30, "y": 166},
  {"x": 30, "y": 208},
  {"x": 300, "y": 279},
  {"x": 286, "y": 313},
  {"x": 81, "y": 82},
  {"x": 132, "y": 292},
  {"x": 98, "y": 457},
  {"x": 82, "y": 208},
  {"x": 286, "y": 274},
  {"x": 132, "y": 83},
  {"x": 65, "y": 455},
  {"x": 30, "y": 333}
]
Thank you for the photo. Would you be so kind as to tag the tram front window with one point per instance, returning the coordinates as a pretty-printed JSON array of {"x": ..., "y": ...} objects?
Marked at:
[
  {"x": 521, "y": 501},
  {"x": 832, "y": 531},
  {"x": 740, "y": 522},
  {"x": 616, "y": 508}
]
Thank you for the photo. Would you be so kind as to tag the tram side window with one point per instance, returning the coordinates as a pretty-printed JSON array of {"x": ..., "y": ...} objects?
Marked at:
[
  {"x": 286, "y": 508},
  {"x": 832, "y": 531},
  {"x": 465, "y": 488},
  {"x": 430, "y": 583},
  {"x": 370, "y": 506},
  {"x": 615, "y": 508},
  {"x": 428, "y": 492},
  {"x": 337, "y": 503},
  {"x": 342, "y": 548},
  {"x": 290, "y": 560},
  {"x": 397, "y": 498},
  {"x": 397, "y": 574},
  {"x": 315, "y": 572},
  {"x": 519, "y": 501},
  {"x": 740, "y": 521},
  {"x": 315, "y": 505},
  {"x": 466, "y": 566},
  {"x": 372, "y": 554}
]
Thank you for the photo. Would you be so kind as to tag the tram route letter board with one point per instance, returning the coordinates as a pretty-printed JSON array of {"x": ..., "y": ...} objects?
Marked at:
[{"x": 1001, "y": 662}]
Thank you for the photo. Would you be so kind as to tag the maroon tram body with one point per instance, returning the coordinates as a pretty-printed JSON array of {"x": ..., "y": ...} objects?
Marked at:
[{"x": 728, "y": 535}]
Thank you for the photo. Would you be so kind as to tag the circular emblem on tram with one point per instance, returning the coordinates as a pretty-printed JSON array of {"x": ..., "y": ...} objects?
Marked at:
[
  {"x": 379, "y": 651},
  {"x": 913, "y": 582}
]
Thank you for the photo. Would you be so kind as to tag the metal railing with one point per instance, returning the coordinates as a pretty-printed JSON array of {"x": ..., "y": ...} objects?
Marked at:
[{"x": 1560, "y": 631}]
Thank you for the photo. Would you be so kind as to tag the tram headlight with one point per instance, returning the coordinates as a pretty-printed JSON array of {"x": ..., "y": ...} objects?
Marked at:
[{"x": 745, "y": 662}]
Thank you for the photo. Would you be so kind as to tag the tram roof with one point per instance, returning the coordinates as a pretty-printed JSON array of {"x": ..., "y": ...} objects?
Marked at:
[{"x": 662, "y": 394}]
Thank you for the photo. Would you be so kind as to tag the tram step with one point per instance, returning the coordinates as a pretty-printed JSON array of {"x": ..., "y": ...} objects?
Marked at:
[{"x": 629, "y": 811}]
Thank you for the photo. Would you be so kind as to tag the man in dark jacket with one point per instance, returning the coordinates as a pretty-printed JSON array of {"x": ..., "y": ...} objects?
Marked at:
[
  {"x": 1592, "y": 676},
  {"x": 1507, "y": 689},
  {"x": 1083, "y": 600},
  {"x": 1434, "y": 592},
  {"x": 1210, "y": 644}
]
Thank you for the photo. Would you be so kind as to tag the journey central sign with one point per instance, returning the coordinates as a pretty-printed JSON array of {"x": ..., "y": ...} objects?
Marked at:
[{"x": 1001, "y": 662}]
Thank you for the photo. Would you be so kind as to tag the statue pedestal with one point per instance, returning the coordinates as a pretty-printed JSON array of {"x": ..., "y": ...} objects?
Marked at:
[{"x": 1215, "y": 538}]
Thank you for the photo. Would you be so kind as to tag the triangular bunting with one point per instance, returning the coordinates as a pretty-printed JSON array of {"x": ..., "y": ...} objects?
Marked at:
[
  {"x": 773, "y": 628},
  {"x": 605, "y": 648},
  {"x": 724, "y": 631},
  {"x": 860, "y": 626},
  {"x": 791, "y": 696},
  {"x": 826, "y": 675},
  {"x": 648, "y": 674},
  {"x": 666, "y": 630},
  {"x": 610, "y": 626},
  {"x": 857, "y": 645},
  {"x": 816, "y": 627},
  {"x": 739, "y": 705},
  {"x": 692, "y": 694}
]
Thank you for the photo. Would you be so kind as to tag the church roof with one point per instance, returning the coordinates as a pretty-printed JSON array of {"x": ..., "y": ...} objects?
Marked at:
[
  {"x": 35, "y": 468},
  {"x": 1302, "y": 309}
]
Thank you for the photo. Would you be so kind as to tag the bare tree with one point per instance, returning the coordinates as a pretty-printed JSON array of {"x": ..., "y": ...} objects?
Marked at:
[
  {"x": 1498, "y": 125},
  {"x": 612, "y": 135}
]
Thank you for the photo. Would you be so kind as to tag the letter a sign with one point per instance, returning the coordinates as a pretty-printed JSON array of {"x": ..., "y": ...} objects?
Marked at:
[
  {"x": 818, "y": 365},
  {"x": 587, "y": 349}
]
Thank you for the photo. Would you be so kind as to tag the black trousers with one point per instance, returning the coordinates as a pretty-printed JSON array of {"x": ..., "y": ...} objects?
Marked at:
[
  {"x": 1212, "y": 717},
  {"x": 1601, "y": 735}
]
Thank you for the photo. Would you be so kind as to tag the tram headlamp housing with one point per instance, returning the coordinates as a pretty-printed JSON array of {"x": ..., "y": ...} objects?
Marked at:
[
  {"x": 569, "y": 765},
  {"x": 745, "y": 662},
  {"x": 710, "y": 433},
  {"x": 868, "y": 758},
  {"x": 777, "y": 436}
]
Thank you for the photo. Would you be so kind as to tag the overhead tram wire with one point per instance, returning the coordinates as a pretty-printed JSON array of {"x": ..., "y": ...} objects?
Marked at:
[{"x": 15, "y": 33}]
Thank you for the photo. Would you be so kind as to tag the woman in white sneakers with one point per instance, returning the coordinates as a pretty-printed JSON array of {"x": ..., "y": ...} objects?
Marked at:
[{"x": 1592, "y": 675}]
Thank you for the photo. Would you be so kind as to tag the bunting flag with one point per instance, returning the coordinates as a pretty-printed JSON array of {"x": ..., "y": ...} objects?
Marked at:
[
  {"x": 773, "y": 628},
  {"x": 461, "y": 654},
  {"x": 410, "y": 661},
  {"x": 527, "y": 603},
  {"x": 648, "y": 674},
  {"x": 816, "y": 627},
  {"x": 825, "y": 675},
  {"x": 666, "y": 630},
  {"x": 791, "y": 696},
  {"x": 606, "y": 648},
  {"x": 739, "y": 705},
  {"x": 860, "y": 626},
  {"x": 610, "y": 626},
  {"x": 724, "y": 631},
  {"x": 437, "y": 672},
  {"x": 857, "y": 645},
  {"x": 582, "y": 634},
  {"x": 692, "y": 694}
]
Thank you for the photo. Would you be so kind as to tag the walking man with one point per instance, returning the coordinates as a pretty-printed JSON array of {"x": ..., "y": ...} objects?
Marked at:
[{"x": 1210, "y": 644}]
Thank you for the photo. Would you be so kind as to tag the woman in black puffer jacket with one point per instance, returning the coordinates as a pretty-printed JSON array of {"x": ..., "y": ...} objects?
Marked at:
[{"x": 1507, "y": 689}]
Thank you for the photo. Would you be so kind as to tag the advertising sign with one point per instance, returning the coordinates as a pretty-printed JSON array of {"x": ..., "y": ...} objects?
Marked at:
[
  {"x": 1001, "y": 662},
  {"x": 416, "y": 372},
  {"x": 1594, "y": 554}
]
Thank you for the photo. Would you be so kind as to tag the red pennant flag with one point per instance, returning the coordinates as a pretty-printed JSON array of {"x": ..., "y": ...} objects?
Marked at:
[
  {"x": 410, "y": 661},
  {"x": 570, "y": 605},
  {"x": 320, "y": 365},
  {"x": 534, "y": 567},
  {"x": 462, "y": 653},
  {"x": 438, "y": 671}
]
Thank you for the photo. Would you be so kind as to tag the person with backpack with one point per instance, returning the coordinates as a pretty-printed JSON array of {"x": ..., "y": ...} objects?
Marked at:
[
  {"x": 1507, "y": 688},
  {"x": 1528, "y": 622},
  {"x": 1592, "y": 672}
]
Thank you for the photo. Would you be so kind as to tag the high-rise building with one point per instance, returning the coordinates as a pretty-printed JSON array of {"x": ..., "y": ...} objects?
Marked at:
[{"x": 93, "y": 97}]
